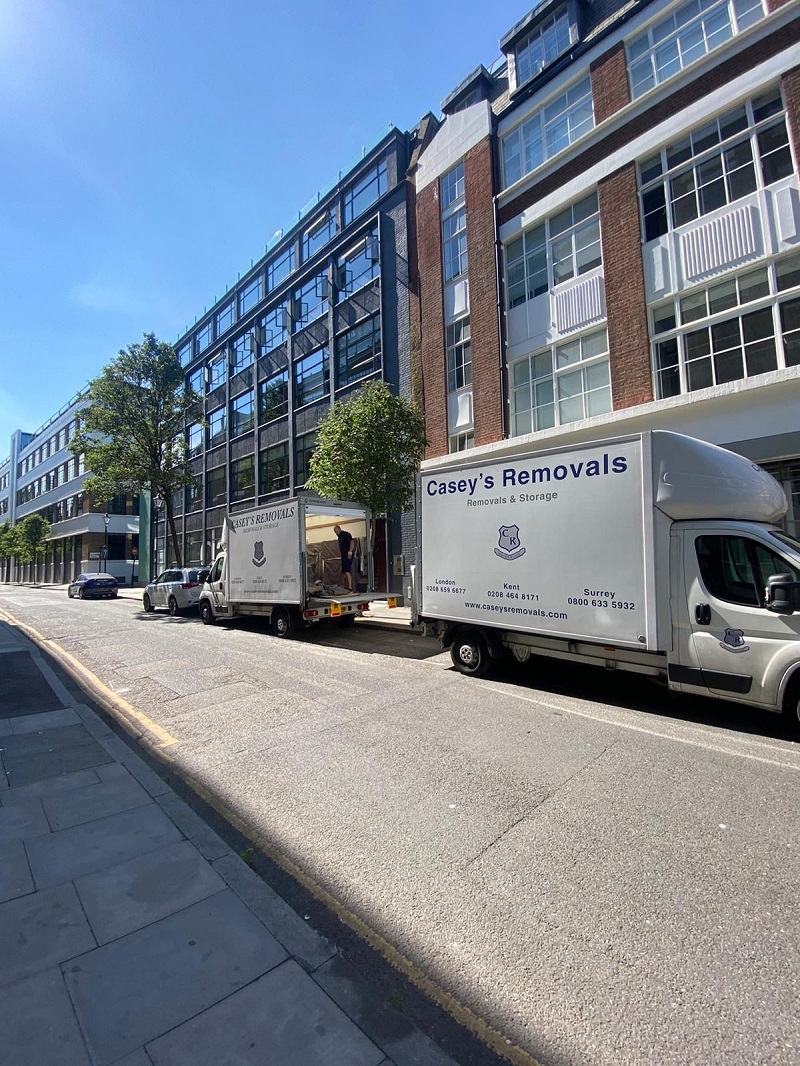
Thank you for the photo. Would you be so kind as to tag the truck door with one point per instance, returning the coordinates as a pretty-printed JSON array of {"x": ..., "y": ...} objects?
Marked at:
[
  {"x": 731, "y": 638},
  {"x": 216, "y": 581}
]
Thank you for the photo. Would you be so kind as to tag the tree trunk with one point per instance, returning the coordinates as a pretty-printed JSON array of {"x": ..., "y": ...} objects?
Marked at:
[{"x": 173, "y": 533}]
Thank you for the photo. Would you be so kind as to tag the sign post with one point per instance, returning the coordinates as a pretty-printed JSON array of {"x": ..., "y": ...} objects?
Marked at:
[{"x": 134, "y": 556}]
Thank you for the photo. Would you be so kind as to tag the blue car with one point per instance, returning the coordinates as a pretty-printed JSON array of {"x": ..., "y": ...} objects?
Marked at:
[{"x": 89, "y": 586}]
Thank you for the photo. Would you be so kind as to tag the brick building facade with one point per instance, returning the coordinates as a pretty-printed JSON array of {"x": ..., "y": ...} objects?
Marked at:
[{"x": 639, "y": 167}]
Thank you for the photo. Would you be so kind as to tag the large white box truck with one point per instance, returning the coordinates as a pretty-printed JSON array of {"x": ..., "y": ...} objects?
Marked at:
[
  {"x": 654, "y": 553},
  {"x": 282, "y": 562}
]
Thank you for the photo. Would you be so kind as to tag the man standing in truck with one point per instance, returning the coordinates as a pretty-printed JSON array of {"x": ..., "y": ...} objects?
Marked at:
[{"x": 346, "y": 550}]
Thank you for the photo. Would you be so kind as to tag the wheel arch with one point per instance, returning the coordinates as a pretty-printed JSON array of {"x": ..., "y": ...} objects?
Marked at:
[{"x": 491, "y": 637}]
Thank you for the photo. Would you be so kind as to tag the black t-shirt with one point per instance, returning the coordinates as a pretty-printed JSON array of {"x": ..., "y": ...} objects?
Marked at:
[{"x": 345, "y": 540}]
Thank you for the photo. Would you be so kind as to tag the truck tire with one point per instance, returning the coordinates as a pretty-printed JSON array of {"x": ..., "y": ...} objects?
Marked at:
[
  {"x": 469, "y": 653},
  {"x": 791, "y": 705},
  {"x": 146, "y": 604},
  {"x": 206, "y": 614},
  {"x": 284, "y": 622}
]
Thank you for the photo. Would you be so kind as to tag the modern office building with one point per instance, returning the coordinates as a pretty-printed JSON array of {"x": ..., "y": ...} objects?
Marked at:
[
  {"x": 42, "y": 476},
  {"x": 323, "y": 311},
  {"x": 617, "y": 213}
]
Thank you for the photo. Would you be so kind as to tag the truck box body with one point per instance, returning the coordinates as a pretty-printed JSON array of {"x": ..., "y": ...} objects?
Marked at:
[
  {"x": 264, "y": 555},
  {"x": 651, "y": 552},
  {"x": 539, "y": 542}
]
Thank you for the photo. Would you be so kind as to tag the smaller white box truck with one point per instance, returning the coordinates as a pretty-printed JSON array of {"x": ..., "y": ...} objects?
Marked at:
[
  {"x": 654, "y": 553},
  {"x": 282, "y": 562}
]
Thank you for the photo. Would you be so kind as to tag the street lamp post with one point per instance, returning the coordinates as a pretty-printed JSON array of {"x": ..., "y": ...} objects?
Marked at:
[
  {"x": 105, "y": 545},
  {"x": 157, "y": 503}
]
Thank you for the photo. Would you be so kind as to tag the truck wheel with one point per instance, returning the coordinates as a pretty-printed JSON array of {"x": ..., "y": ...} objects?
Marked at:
[
  {"x": 206, "y": 614},
  {"x": 284, "y": 622},
  {"x": 173, "y": 606},
  {"x": 147, "y": 604},
  {"x": 791, "y": 706},
  {"x": 469, "y": 653}
]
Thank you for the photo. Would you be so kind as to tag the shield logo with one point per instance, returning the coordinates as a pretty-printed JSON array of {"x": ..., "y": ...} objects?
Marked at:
[
  {"x": 509, "y": 545},
  {"x": 258, "y": 553},
  {"x": 733, "y": 640}
]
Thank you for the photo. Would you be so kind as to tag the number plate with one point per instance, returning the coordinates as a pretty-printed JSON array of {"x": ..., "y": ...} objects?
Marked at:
[
  {"x": 392, "y": 601},
  {"x": 336, "y": 610}
]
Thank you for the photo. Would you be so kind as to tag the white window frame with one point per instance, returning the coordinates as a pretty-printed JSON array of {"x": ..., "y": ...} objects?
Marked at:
[
  {"x": 526, "y": 249},
  {"x": 658, "y": 179},
  {"x": 737, "y": 297},
  {"x": 455, "y": 261},
  {"x": 548, "y": 369},
  {"x": 684, "y": 36},
  {"x": 545, "y": 43},
  {"x": 533, "y": 141},
  {"x": 458, "y": 346}
]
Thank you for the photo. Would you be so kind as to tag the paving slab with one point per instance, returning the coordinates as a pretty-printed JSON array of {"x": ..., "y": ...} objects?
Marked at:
[
  {"x": 134, "y": 894},
  {"x": 38, "y": 1024},
  {"x": 132, "y": 991},
  {"x": 297, "y": 936},
  {"x": 33, "y": 723},
  {"x": 46, "y": 740},
  {"x": 41, "y": 930},
  {"x": 52, "y": 786},
  {"x": 192, "y": 826},
  {"x": 15, "y": 873},
  {"x": 85, "y": 849},
  {"x": 406, "y": 1044},
  {"x": 23, "y": 820},
  {"x": 24, "y": 689},
  {"x": 283, "y": 1019},
  {"x": 136, "y": 1058},
  {"x": 95, "y": 801},
  {"x": 36, "y": 756}
]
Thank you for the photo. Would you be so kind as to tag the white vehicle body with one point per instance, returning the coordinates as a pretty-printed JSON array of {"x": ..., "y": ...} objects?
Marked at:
[
  {"x": 282, "y": 562},
  {"x": 649, "y": 553}
]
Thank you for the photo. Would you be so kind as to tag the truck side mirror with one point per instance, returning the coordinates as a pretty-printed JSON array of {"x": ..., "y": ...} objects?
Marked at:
[{"x": 782, "y": 594}]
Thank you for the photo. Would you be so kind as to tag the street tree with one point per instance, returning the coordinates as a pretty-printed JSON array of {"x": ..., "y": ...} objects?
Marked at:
[
  {"x": 132, "y": 427},
  {"x": 368, "y": 450},
  {"x": 29, "y": 538},
  {"x": 6, "y": 544}
]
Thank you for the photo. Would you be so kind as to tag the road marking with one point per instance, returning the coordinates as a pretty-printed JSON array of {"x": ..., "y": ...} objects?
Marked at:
[
  {"x": 692, "y": 742},
  {"x": 125, "y": 713}
]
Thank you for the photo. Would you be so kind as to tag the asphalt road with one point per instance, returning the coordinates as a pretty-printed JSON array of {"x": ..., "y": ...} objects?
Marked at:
[{"x": 605, "y": 875}]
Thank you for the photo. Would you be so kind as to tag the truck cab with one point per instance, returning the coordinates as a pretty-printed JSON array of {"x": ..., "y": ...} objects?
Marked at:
[{"x": 733, "y": 636}]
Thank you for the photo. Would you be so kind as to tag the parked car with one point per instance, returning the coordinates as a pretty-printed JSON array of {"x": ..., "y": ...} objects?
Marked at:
[
  {"x": 93, "y": 586},
  {"x": 176, "y": 589}
]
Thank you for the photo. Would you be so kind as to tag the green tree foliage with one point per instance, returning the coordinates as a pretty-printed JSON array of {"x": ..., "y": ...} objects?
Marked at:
[
  {"x": 7, "y": 539},
  {"x": 29, "y": 538},
  {"x": 369, "y": 449},
  {"x": 132, "y": 429}
]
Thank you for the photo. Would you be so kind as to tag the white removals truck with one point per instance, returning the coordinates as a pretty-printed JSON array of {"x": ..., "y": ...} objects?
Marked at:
[
  {"x": 654, "y": 553},
  {"x": 282, "y": 562}
]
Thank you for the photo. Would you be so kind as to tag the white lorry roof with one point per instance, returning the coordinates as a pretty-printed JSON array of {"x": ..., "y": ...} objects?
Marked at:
[{"x": 693, "y": 479}]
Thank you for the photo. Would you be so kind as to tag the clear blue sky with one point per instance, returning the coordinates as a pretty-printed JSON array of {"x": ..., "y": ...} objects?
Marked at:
[{"x": 150, "y": 149}]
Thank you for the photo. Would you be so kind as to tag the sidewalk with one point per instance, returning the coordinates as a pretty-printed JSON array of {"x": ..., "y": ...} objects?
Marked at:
[{"x": 131, "y": 933}]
